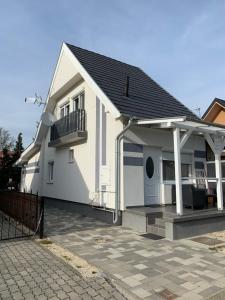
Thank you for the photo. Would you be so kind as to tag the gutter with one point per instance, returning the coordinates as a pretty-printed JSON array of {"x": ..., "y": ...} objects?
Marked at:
[{"x": 117, "y": 169}]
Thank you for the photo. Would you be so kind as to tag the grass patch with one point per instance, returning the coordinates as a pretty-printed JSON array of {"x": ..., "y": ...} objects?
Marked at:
[
  {"x": 212, "y": 248},
  {"x": 220, "y": 247},
  {"x": 66, "y": 257},
  {"x": 46, "y": 242}
]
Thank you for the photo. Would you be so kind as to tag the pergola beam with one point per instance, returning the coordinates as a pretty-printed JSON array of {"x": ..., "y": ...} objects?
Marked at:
[
  {"x": 199, "y": 129},
  {"x": 185, "y": 137},
  {"x": 210, "y": 141}
]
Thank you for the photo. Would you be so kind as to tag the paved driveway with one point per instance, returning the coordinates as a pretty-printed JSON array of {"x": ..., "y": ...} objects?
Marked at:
[
  {"x": 27, "y": 271},
  {"x": 149, "y": 269}
]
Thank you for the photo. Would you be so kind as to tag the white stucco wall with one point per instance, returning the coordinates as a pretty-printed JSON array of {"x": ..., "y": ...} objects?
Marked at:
[
  {"x": 30, "y": 178},
  {"x": 64, "y": 72},
  {"x": 80, "y": 181},
  {"x": 113, "y": 128},
  {"x": 73, "y": 181}
]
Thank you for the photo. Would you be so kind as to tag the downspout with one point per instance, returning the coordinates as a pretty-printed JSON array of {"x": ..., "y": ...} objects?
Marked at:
[{"x": 117, "y": 169}]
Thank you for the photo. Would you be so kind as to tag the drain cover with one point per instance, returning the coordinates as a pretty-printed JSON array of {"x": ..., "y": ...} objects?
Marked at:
[
  {"x": 207, "y": 241},
  {"x": 152, "y": 236},
  {"x": 167, "y": 295}
]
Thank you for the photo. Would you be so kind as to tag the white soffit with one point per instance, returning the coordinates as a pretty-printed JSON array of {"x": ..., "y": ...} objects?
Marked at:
[
  {"x": 201, "y": 127},
  {"x": 183, "y": 123}
]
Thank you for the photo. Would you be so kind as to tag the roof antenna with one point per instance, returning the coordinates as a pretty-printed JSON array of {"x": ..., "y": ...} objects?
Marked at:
[
  {"x": 198, "y": 110},
  {"x": 126, "y": 90},
  {"x": 35, "y": 100}
]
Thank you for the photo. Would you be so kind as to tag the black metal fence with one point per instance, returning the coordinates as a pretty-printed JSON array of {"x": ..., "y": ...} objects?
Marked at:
[
  {"x": 75, "y": 121},
  {"x": 21, "y": 215}
]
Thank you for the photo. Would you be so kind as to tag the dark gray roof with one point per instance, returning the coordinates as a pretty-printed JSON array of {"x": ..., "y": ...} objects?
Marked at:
[
  {"x": 216, "y": 100},
  {"x": 146, "y": 98}
]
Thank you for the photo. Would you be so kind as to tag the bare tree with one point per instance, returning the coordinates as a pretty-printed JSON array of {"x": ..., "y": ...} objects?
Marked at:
[{"x": 6, "y": 140}]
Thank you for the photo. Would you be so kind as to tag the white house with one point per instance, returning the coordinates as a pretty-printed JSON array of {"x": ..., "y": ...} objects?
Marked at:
[{"x": 119, "y": 147}]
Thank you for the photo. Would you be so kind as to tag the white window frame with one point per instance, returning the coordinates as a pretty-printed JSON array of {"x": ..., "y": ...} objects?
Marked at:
[
  {"x": 50, "y": 171},
  {"x": 63, "y": 108},
  {"x": 79, "y": 99},
  {"x": 71, "y": 156}
]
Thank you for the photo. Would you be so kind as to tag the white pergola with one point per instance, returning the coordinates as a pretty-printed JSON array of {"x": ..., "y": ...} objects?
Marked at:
[{"x": 214, "y": 135}]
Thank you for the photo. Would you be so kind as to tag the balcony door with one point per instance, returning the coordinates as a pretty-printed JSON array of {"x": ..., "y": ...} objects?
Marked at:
[
  {"x": 78, "y": 102},
  {"x": 64, "y": 110}
]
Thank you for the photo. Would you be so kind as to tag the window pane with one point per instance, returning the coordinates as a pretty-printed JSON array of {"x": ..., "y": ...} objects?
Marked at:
[
  {"x": 211, "y": 170},
  {"x": 78, "y": 102},
  {"x": 71, "y": 155},
  {"x": 82, "y": 101},
  {"x": 50, "y": 171},
  {"x": 67, "y": 110},
  {"x": 185, "y": 170},
  {"x": 168, "y": 170},
  {"x": 62, "y": 112},
  {"x": 75, "y": 104},
  {"x": 149, "y": 167},
  {"x": 223, "y": 169}
]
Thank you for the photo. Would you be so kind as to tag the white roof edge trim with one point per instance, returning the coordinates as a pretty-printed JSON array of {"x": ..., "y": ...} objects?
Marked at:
[
  {"x": 54, "y": 73},
  {"x": 49, "y": 92},
  {"x": 26, "y": 153},
  {"x": 212, "y": 108},
  {"x": 160, "y": 120},
  {"x": 100, "y": 94}
]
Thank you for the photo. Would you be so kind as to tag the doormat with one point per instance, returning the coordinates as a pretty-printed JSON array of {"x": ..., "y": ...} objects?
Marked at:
[
  {"x": 152, "y": 236},
  {"x": 207, "y": 241}
]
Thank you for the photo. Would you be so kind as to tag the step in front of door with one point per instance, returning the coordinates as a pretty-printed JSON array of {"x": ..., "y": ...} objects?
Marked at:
[{"x": 156, "y": 229}]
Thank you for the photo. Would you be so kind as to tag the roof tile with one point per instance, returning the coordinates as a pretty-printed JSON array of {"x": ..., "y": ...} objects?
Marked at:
[{"x": 146, "y": 98}]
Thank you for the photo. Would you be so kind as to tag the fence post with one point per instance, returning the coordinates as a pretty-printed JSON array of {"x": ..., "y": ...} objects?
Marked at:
[{"x": 41, "y": 230}]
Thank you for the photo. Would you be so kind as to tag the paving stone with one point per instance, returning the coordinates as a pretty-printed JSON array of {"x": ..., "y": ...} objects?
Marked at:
[
  {"x": 30, "y": 262},
  {"x": 73, "y": 295},
  {"x": 138, "y": 263},
  {"x": 142, "y": 293}
]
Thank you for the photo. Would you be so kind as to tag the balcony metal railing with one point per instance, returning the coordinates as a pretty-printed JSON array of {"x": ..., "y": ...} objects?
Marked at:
[{"x": 75, "y": 121}]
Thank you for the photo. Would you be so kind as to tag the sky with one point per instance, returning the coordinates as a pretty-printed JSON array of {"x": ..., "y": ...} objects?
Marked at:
[{"x": 180, "y": 44}]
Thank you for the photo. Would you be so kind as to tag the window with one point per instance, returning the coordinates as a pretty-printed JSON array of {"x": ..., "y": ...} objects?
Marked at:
[
  {"x": 64, "y": 110},
  {"x": 50, "y": 171},
  {"x": 71, "y": 155},
  {"x": 149, "y": 167},
  {"x": 211, "y": 172},
  {"x": 78, "y": 102},
  {"x": 169, "y": 170}
]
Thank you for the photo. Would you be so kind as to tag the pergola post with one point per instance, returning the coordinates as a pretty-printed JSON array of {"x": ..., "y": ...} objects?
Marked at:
[
  {"x": 177, "y": 163},
  {"x": 219, "y": 185},
  {"x": 217, "y": 146}
]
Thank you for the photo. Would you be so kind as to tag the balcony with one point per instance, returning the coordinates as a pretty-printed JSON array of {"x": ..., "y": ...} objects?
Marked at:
[{"x": 69, "y": 129}]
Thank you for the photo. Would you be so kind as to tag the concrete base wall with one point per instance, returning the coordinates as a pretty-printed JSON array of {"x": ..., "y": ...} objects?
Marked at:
[
  {"x": 84, "y": 209},
  {"x": 178, "y": 229},
  {"x": 134, "y": 221}
]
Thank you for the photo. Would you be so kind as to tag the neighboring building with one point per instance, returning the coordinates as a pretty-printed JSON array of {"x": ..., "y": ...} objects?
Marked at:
[
  {"x": 119, "y": 141},
  {"x": 215, "y": 113},
  {"x": 10, "y": 153}
]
